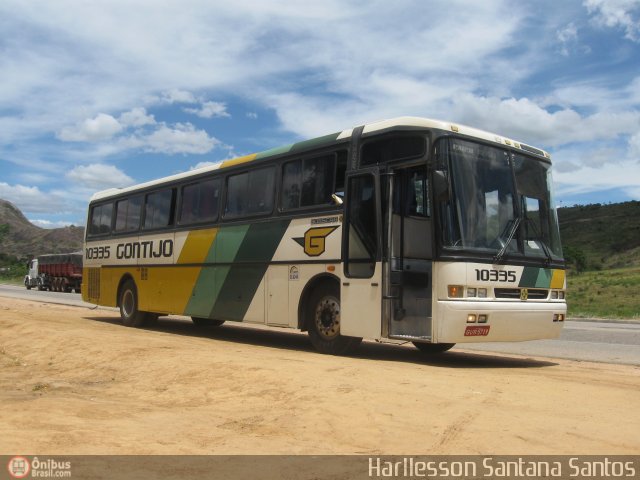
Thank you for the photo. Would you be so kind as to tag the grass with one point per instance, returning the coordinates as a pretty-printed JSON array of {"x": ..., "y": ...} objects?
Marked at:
[
  {"x": 604, "y": 294},
  {"x": 12, "y": 279}
]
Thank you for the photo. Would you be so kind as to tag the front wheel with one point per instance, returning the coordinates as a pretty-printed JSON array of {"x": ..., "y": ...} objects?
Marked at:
[
  {"x": 323, "y": 322},
  {"x": 433, "y": 347},
  {"x": 128, "y": 303}
]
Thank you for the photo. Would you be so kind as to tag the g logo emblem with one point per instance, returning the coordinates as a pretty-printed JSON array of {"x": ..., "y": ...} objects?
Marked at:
[
  {"x": 524, "y": 294},
  {"x": 314, "y": 240}
]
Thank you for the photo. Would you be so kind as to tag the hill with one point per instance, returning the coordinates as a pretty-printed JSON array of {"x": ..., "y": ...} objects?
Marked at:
[
  {"x": 21, "y": 239},
  {"x": 605, "y": 236}
]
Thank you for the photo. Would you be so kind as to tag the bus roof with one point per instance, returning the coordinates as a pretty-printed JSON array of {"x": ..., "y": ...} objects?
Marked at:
[{"x": 382, "y": 125}]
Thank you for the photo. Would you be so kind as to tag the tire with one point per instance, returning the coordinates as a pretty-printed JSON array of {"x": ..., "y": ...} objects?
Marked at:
[
  {"x": 323, "y": 321},
  {"x": 433, "y": 348},
  {"x": 206, "y": 322},
  {"x": 128, "y": 303}
]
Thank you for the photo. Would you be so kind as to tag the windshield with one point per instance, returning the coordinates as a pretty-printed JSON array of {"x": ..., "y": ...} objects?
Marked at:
[{"x": 500, "y": 202}]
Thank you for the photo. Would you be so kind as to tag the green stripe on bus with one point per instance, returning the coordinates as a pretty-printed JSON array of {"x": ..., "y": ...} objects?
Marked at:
[
  {"x": 544, "y": 278},
  {"x": 212, "y": 278},
  {"x": 242, "y": 281},
  {"x": 534, "y": 277},
  {"x": 315, "y": 142},
  {"x": 273, "y": 151}
]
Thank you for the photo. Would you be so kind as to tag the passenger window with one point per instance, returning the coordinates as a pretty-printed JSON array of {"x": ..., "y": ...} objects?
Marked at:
[
  {"x": 308, "y": 182},
  {"x": 398, "y": 147},
  {"x": 159, "y": 208},
  {"x": 101, "y": 219},
  {"x": 128, "y": 214},
  {"x": 250, "y": 193},
  {"x": 200, "y": 202}
]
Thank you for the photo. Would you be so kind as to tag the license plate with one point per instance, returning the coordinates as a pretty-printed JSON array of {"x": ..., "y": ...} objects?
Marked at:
[{"x": 477, "y": 331}]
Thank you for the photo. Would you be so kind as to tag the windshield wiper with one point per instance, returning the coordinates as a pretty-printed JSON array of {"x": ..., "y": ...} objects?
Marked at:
[
  {"x": 512, "y": 233},
  {"x": 545, "y": 249}
]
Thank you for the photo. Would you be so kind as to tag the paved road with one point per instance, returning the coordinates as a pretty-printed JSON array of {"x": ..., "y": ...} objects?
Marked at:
[{"x": 614, "y": 342}]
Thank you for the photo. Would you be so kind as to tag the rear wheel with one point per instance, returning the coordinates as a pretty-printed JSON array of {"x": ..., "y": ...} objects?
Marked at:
[
  {"x": 433, "y": 347},
  {"x": 323, "y": 322},
  {"x": 128, "y": 303},
  {"x": 206, "y": 322}
]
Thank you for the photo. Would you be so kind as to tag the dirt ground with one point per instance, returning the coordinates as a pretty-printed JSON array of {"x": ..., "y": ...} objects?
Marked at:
[{"x": 75, "y": 381}]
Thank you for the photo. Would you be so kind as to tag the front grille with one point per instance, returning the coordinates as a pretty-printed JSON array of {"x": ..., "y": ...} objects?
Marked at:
[{"x": 514, "y": 293}]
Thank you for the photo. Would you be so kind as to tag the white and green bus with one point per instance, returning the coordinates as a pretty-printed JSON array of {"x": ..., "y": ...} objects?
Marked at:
[{"x": 404, "y": 230}]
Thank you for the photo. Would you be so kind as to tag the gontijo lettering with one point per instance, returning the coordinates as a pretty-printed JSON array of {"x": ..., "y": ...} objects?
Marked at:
[{"x": 148, "y": 249}]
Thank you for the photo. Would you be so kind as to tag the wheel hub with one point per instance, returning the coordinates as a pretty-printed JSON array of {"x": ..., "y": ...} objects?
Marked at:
[{"x": 327, "y": 317}]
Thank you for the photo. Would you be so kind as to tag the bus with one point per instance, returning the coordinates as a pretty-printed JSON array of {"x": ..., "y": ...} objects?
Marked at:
[{"x": 403, "y": 230}]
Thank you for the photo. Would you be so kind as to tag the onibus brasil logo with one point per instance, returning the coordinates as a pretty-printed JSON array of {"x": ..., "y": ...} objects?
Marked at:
[{"x": 19, "y": 467}]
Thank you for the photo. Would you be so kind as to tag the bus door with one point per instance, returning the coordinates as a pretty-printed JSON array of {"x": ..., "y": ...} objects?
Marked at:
[
  {"x": 361, "y": 289},
  {"x": 408, "y": 266}
]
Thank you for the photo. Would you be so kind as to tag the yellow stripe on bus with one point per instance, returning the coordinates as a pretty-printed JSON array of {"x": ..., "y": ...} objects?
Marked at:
[
  {"x": 239, "y": 160},
  {"x": 557, "y": 280},
  {"x": 197, "y": 246}
]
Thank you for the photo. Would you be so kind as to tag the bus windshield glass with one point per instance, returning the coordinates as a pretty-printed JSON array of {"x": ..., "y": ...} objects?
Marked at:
[{"x": 500, "y": 202}]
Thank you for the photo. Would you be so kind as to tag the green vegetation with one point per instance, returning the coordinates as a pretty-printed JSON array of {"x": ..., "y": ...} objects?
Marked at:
[
  {"x": 602, "y": 249},
  {"x": 12, "y": 269},
  {"x": 605, "y": 294},
  {"x": 597, "y": 237}
]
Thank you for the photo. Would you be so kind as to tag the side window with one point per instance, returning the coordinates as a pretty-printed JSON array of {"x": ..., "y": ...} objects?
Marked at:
[
  {"x": 362, "y": 237},
  {"x": 417, "y": 197},
  {"x": 200, "y": 202},
  {"x": 128, "y": 214},
  {"x": 291, "y": 180},
  {"x": 308, "y": 182},
  {"x": 397, "y": 147},
  {"x": 100, "y": 223},
  {"x": 250, "y": 193},
  {"x": 159, "y": 208}
]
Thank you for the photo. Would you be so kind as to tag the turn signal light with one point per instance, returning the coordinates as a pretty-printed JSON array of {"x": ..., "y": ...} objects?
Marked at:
[{"x": 456, "y": 291}]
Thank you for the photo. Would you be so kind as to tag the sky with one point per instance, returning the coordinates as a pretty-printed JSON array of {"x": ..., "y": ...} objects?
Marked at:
[{"x": 110, "y": 93}]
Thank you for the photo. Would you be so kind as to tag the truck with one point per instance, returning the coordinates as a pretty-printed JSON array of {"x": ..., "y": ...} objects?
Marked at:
[{"x": 60, "y": 272}]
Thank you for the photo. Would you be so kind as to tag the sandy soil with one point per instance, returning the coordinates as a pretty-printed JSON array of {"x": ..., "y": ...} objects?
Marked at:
[{"x": 75, "y": 381}]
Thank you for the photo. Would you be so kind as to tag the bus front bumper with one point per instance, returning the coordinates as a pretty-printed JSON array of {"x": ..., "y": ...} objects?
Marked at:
[{"x": 505, "y": 321}]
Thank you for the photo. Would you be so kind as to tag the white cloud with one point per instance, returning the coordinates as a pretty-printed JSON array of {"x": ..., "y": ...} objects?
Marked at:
[
  {"x": 98, "y": 176},
  {"x": 181, "y": 138},
  {"x": 136, "y": 117},
  {"x": 177, "y": 96},
  {"x": 624, "y": 14},
  {"x": 209, "y": 110},
  {"x": 634, "y": 147},
  {"x": 625, "y": 176},
  {"x": 320, "y": 67},
  {"x": 50, "y": 224},
  {"x": 252, "y": 115},
  {"x": 567, "y": 36},
  {"x": 32, "y": 199},
  {"x": 102, "y": 127}
]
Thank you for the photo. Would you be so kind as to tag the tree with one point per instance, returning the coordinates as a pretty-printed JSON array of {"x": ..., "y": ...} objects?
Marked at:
[{"x": 575, "y": 257}]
